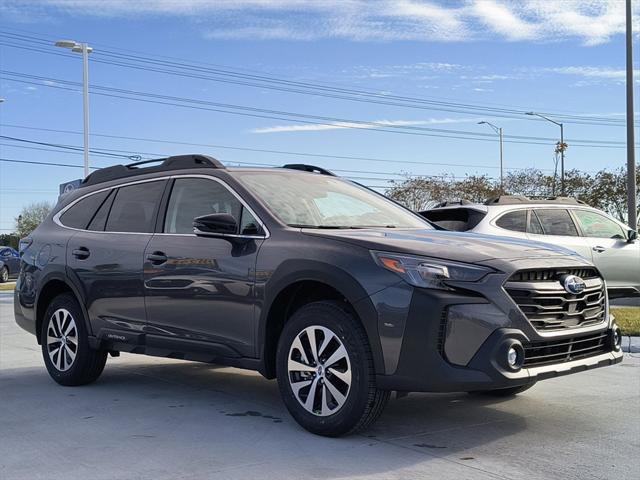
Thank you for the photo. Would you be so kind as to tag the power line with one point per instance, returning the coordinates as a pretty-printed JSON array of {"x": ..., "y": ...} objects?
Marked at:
[
  {"x": 199, "y": 104},
  {"x": 270, "y": 82},
  {"x": 258, "y": 150}
]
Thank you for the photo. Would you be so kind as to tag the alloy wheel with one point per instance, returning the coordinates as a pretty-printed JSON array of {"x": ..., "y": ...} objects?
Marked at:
[
  {"x": 62, "y": 339},
  {"x": 319, "y": 370}
]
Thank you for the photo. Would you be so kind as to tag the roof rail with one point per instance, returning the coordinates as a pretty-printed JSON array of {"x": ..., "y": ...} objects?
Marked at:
[
  {"x": 178, "y": 162},
  {"x": 448, "y": 203},
  {"x": 518, "y": 199},
  {"x": 309, "y": 168}
]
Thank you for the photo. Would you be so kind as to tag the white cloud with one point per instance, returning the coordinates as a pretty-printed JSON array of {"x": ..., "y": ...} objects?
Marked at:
[
  {"x": 376, "y": 123},
  {"x": 591, "y": 22}
]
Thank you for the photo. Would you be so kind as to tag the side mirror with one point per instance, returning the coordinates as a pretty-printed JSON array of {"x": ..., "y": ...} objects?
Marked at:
[
  {"x": 632, "y": 236},
  {"x": 215, "y": 224}
]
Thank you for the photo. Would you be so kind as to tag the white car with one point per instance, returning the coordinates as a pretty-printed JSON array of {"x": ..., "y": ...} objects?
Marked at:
[{"x": 611, "y": 245}]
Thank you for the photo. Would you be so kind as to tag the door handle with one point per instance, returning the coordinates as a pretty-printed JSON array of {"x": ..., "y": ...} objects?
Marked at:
[
  {"x": 81, "y": 253},
  {"x": 157, "y": 258},
  {"x": 598, "y": 249}
]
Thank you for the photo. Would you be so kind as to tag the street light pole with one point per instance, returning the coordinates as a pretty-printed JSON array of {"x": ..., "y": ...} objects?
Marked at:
[
  {"x": 85, "y": 50},
  {"x": 85, "y": 103},
  {"x": 562, "y": 147},
  {"x": 498, "y": 130},
  {"x": 631, "y": 159}
]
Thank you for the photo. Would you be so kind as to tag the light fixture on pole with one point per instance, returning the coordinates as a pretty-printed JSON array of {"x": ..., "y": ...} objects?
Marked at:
[
  {"x": 498, "y": 130},
  {"x": 85, "y": 50},
  {"x": 562, "y": 147}
]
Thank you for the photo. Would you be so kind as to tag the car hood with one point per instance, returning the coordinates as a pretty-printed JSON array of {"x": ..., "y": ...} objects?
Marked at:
[{"x": 456, "y": 246}]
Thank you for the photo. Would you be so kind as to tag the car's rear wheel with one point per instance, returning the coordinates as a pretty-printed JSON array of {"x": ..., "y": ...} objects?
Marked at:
[
  {"x": 4, "y": 274},
  {"x": 65, "y": 344},
  {"x": 325, "y": 371}
]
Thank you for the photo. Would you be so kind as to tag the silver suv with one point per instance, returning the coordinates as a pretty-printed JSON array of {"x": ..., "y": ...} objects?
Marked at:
[{"x": 610, "y": 244}]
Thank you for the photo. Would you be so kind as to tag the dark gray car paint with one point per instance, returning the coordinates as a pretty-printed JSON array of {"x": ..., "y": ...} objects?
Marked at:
[{"x": 226, "y": 304}]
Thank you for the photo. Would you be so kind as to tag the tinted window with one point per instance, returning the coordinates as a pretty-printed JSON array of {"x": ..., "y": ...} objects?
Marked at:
[
  {"x": 515, "y": 221},
  {"x": 100, "y": 218},
  {"x": 134, "y": 207},
  {"x": 556, "y": 222},
  {"x": 80, "y": 214},
  {"x": 455, "y": 219},
  {"x": 533, "y": 225},
  {"x": 596, "y": 225},
  {"x": 5, "y": 252},
  {"x": 194, "y": 197},
  {"x": 248, "y": 224}
]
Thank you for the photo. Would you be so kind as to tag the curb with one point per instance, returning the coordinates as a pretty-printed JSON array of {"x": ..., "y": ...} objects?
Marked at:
[{"x": 630, "y": 344}]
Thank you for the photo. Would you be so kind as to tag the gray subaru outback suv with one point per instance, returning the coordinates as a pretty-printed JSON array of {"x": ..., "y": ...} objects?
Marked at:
[{"x": 333, "y": 289}]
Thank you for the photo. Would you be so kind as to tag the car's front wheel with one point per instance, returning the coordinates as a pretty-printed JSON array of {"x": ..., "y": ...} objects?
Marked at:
[
  {"x": 4, "y": 274},
  {"x": 325, "y": 370},
  {"x": 65, "y": 345}
]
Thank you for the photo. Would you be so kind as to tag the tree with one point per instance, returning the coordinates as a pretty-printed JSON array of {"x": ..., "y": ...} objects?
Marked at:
[{"x": 31, "y": 216}]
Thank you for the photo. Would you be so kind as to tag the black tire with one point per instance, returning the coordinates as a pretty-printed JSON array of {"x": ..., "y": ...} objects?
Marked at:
[
  {"x": 507, "y": 392},
  {"x": 4, "y": 274},
  {"x": 87, "y": 364},
  {"x": 364, "y": 401}
]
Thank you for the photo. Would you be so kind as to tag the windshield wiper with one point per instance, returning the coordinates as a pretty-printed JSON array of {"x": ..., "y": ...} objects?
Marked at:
[{"x": 321, "y": 227}]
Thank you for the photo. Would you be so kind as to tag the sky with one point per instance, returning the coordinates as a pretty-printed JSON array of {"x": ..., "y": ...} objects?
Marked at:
[{"x": 375, "y": 90}]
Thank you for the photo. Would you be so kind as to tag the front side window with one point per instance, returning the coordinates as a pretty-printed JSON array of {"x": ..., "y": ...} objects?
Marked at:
[
  {"x": 515, "y": 221},
  {"x": 556, "y": 222},
  {"x": 194, "y": 197},
  {"x": 322, "y": 201},
  {"x": 595, "y": 225},
  {"x": 134, "y": 208}
]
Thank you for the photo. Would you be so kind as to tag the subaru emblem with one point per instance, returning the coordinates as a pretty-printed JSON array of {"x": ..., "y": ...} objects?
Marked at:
[{"x": 573, "y": 284}]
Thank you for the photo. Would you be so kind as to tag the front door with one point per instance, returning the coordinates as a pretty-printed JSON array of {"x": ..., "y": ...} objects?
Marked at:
[
  {"x": 200, "y": 290},
  {"x": 617, "y": 259}
]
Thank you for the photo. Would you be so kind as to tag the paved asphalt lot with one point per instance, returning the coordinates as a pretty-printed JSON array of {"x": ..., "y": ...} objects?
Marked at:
[{"x": 163, "y": 419}]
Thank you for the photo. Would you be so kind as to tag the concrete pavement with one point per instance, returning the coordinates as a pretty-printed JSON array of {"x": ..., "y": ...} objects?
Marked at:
[{"x": 150, "y": 418}]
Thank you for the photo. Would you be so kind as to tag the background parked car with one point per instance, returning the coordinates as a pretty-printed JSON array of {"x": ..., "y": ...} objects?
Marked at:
[
  {"x": 610, "y": 244},
  {"x": 9, "y": 263}
]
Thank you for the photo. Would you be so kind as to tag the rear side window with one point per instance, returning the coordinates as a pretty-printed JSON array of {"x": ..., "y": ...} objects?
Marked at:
[
  {"x": 134, "y": 208},
  {"x": 533, "y": 226},
  {"x": 99, "y": 220},
  {"x": 556, "y": 222},
  {"x": 455, "y": 219},
  {"x": 194, "y": 197},
  {"x": 515, "y": 221},
  {"x": 81, "y": 213}
]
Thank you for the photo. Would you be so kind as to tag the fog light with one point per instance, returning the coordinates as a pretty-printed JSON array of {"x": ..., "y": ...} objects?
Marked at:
[{"x": 512, "y": 357}]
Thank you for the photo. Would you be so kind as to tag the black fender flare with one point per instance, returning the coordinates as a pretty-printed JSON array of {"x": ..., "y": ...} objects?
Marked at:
[{"x": 296, "y": 270}]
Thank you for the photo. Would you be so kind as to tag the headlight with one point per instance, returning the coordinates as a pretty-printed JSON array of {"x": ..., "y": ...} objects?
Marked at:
[{"x": 428, "y": 272}]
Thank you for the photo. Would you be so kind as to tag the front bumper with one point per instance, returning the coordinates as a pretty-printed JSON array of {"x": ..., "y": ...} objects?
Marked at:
[{"x": 423, "y": 365}]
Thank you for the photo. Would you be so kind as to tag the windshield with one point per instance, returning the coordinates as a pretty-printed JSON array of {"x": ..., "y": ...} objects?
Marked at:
[{"x": 321, "y": 201}]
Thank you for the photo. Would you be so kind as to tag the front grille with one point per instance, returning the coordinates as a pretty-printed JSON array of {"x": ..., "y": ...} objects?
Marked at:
[
  {"x": 552, "y": 274},
  {"x": 566, "y": 350},
  {"x": 548, "y": 306}
]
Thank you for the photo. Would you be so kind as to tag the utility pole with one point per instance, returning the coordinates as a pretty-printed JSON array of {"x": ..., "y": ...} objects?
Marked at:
[
  {"x": 631, "y": 158},
  {"x": 85, "y": 50},
  {"x": 498, "y": 130}
]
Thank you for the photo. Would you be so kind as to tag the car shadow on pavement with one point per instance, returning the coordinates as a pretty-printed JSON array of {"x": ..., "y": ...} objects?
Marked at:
[{"x": 164, "y": 407}]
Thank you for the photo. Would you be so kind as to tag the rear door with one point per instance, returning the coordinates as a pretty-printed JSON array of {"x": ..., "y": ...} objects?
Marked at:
[
  {"x": 200, "y": 290},
  {"x": 615, "y": 257},
  {"x": 556, "y": 226},
  {"x": 105, "y": 257}
]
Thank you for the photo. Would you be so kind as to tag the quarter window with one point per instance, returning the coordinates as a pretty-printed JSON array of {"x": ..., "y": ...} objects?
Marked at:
[
  {"x": 556, "y": 222},
  {"x": 134, "y": 208},
  {"x": 596, "y": 225},
  {"x": 194, "y": 197},
  {"x": 81, "y": 213},
  {"x": 515, "y": 221},
  {"x": 533, "y": 225}
]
